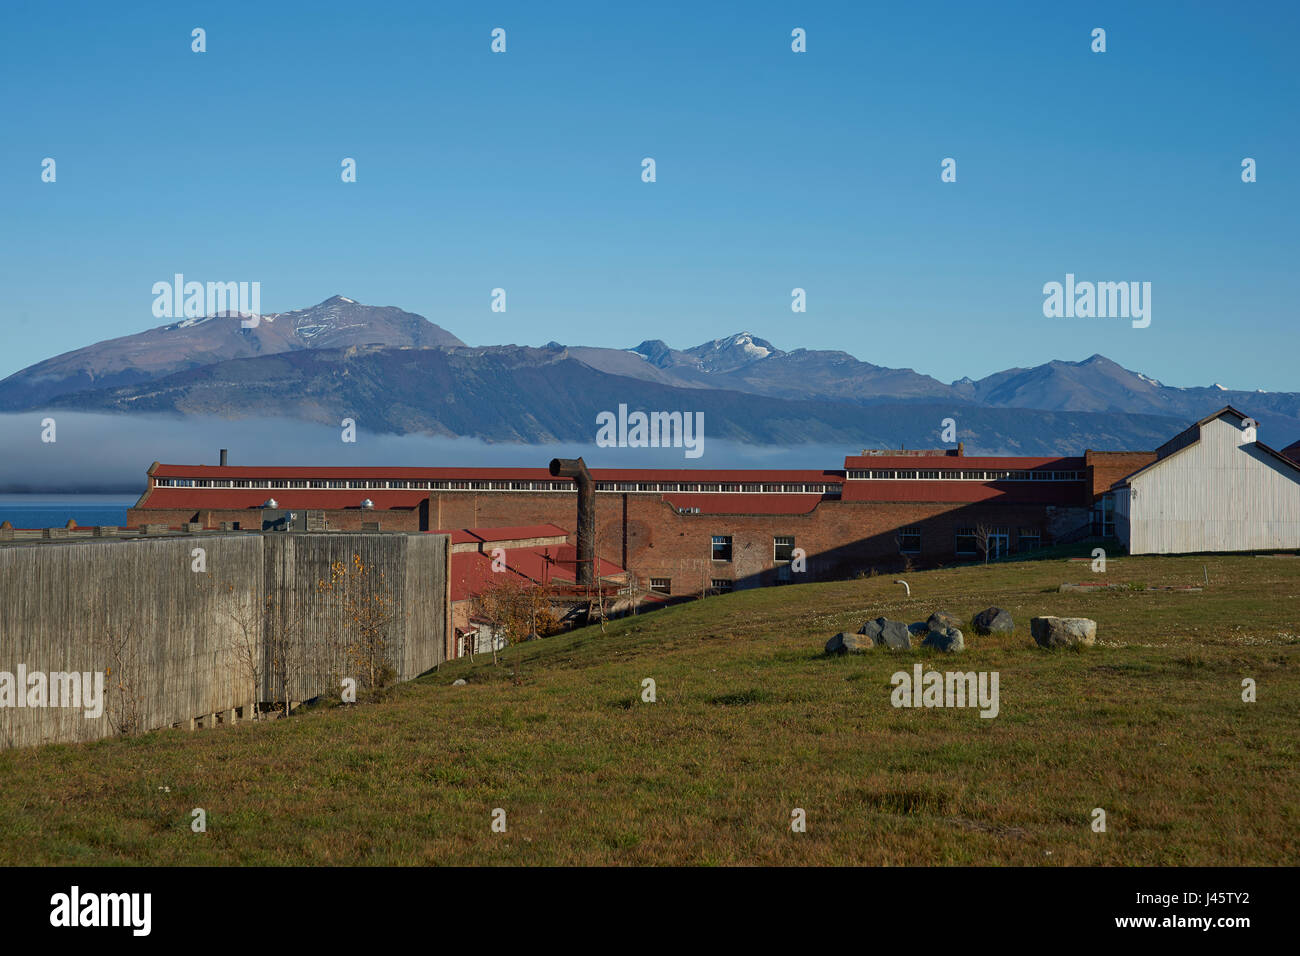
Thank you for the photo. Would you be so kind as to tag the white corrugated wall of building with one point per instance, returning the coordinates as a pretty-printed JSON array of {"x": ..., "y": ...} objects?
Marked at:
[{"x": 1219, "y": 494}]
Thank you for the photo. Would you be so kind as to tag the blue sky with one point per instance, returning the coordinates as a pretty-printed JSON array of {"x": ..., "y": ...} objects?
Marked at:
[{"x": 775, "y": 170}]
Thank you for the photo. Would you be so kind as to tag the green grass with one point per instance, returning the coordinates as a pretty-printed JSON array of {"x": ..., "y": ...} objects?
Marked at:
[{"x": 751, "y": 722}]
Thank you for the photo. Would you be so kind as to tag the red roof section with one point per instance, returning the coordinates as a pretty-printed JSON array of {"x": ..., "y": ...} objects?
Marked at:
[
  {"x": 489, "y": 474},
  {"x": 359, "y": 471},
  {"x": 955, "y": 463},
  {"x": 471, "y": 571}
]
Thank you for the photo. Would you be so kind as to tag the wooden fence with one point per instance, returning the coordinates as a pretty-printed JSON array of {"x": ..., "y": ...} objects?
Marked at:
[{"x": 174, "y": 644}]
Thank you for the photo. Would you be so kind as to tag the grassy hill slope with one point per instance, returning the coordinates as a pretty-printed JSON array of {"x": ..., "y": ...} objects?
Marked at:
[{"x": 751, "y": 721}]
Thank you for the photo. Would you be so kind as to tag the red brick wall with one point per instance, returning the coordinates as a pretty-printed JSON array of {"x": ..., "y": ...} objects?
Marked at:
[
  {"x": 251, "y": 518},
  {"x": 649, "y": 537},
  {"x": 1108, "y": 467},
  {"x": 840, "y": 538}
]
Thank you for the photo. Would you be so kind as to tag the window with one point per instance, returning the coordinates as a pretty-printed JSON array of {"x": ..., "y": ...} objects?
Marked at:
[
  {"x": 783, "y": 548},
  {"x": 1028, "y": 540},
  {"x": 909, "y": 540},
  {"x": 721, "y": 585},
  {"x": 242, "y": 483},
  {"x": 397, "y": 484},
  {"x": 662, "y": 585},
  {"x": 967, "y": 543},
  {"x": 279, "y": 483},
  {"x": 722, "y": 547},
  {"x": 356, "y": 483}
]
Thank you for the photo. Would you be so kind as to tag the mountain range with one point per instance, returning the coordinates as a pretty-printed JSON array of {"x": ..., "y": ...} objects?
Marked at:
[{"x": 395, "y": 371}]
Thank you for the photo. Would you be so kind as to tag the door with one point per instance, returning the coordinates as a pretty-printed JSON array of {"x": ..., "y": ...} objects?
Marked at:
[{"x": 999, "y": 543}]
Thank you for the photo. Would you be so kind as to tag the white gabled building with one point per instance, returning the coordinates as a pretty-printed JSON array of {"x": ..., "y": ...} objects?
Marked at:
[{"x": 1213, "y": 487}]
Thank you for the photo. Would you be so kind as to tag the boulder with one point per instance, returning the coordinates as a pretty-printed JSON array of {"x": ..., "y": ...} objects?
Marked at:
[
  {"x": 944, "y": 619},
  {"x": 458, "y": 682},
  {"x": 994, "y": 620},
  {"x": 846, "y": 643},
  {"x": 1063, "y": 631},
  {"x": 943, "y": 638},
  {"x": 918, "y": 630},
  {"x": 872, "y": 629},
  {"x": 886, "y": 633}
]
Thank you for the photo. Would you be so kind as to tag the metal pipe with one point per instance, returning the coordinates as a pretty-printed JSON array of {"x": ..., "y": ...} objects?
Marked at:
[{"x": 576, "y": 469}]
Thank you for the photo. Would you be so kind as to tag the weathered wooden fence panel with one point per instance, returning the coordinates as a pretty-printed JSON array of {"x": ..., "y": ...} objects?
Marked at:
[{"x": 172, "y": 643}]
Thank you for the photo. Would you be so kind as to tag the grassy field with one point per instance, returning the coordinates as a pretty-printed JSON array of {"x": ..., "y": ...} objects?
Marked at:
[{"x": 751, "y": 721}]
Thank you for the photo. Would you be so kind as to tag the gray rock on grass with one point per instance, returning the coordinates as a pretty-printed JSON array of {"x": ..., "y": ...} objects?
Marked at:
[
  {"x": 846, "y": 643},
  {"x": 994, "y": 620},
  {"x": 947, "y": 639},
  {"x": 886, "y": 633},
  {"x": 944, "y": 619},
  {"x": 1063, "y": 631}
]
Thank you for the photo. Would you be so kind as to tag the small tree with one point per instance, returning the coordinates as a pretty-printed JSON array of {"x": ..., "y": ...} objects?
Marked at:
[
  {"x": 515, "y": 609},
  {"x": 285, "y": 653},
  {"x": 368, "y": 611},
  {"x": 123, "y": 705},
  {"x": 983, "y": 537},
  {"x": 246, "y": 643}
]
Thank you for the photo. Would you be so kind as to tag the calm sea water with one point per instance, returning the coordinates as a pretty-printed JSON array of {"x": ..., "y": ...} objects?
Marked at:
[{"x": 53, "y": 511}]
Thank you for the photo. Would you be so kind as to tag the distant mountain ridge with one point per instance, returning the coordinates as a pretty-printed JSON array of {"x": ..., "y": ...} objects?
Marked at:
[
  {"x": 193, "y": 343},
  {"x": 403, "y": 373}
]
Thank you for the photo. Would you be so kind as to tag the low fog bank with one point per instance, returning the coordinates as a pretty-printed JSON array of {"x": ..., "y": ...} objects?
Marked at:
[{"x": 96, "y": 453}]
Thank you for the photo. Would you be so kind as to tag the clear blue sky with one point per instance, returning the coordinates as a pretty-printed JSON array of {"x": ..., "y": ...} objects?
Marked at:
[{"x": 775, "y": 170}]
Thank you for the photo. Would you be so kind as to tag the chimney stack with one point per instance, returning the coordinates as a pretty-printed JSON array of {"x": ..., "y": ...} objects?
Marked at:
[
  {"x": 223, "y": 458},
  {"x": 576, "y": 469}
]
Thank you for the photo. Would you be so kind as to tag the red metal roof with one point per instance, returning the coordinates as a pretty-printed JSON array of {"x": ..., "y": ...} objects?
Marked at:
[
  {"x": 489, "y": 474},
  {"x": 471, "y": 571},
  {"x": 953, "y": 463}
]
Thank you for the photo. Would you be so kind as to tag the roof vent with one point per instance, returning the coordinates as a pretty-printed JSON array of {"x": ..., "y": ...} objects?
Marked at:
[
  {"x": 367, "y": 503},
  {"x": 270, "y": 503}
]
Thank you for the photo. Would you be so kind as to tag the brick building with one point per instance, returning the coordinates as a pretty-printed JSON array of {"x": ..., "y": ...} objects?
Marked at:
[
  {"x": 687, "y": 531},
  {"x": 538, "y": 555}
]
